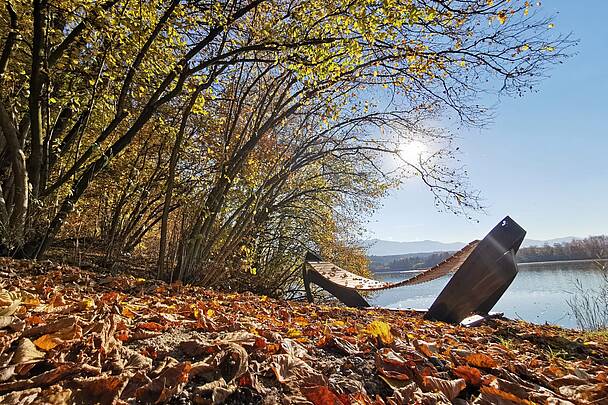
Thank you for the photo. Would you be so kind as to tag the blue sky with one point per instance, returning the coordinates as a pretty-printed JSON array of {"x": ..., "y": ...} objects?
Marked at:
[{"x": 544, "y": 159}]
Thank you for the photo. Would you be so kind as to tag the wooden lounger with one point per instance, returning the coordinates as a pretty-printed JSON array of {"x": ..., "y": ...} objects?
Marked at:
[{"x": 483, "y": 271}]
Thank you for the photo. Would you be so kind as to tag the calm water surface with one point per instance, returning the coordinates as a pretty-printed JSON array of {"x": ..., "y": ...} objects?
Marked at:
[{"x": 538, "y": 294}]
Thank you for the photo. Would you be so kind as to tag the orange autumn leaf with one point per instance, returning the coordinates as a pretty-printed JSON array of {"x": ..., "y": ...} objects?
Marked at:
[
  {"x": 481, "y": 360},
  {"x": 57, "y": 300},
  {"x": 109, "y": 296},
  {"x": 50, "y": 341},
  {"x": 471, "y": 375},
  {"x": 321, "y": 395},
  {"x": 122, "y": 335},
  {"x": 46, "y": 342},
  {"x": 496, "y": 396},
  {"x": 126, "y": 311},
  {"x": 151, "y": 326},
  {"x": 34, "y": 320}
]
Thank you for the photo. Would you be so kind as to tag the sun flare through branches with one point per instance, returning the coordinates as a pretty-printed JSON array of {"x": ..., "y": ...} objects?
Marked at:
[{"x": 413, "y": 151}]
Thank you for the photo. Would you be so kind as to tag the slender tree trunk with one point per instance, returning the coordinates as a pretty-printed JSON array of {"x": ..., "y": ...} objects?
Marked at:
[
  {"x": 170, "y": 182},
  {"x": 10, "y": 40},
  {"x": 35, "y": 98},
  {"x": 17, "y": 209}
]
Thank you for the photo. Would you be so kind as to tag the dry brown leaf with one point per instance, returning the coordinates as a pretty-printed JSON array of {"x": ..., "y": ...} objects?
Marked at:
[
  {"x": 45, "y": 379},
  {"x": 8, "y": 306},
  {"x": 289, "y": 368},
  {"x": 151, "y": 326},
  {"x": 48, "y": 342},
  {"x": 195, "y": 348},
  {"x": 214, "y": 392},
  {"x": 568, "y": 380},
  {"x": 24, "y": 397},
  {"x": 591, "y": 393},
  {"x": 449, "y": 388},
  {"x": 54, "y": 395},
  {"x": 26, "y": 352},
  {"x": 392, "y": 365},
  {"x": 405, "y": 395},
  {"x": 170, "y": 381},
  {"x": 232, "y": 361},
  {"x": 5, "y": 321},
  {"x": 135, "y": 361},
  {"x": 105, "y": 389},
  {"x": 340, "y": 345},
  {"x": 6, "y": 373},
  {"x": 11, "y": 300},
  {"x": 293, "y": 348},
  {"x": 491, "y": 395},
  {"x": 56, "y": 326},
  {"x": 426, "y": 348}
]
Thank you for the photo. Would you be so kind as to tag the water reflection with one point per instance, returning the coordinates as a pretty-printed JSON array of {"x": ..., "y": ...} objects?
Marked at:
[{"x": 538, "y": 294}]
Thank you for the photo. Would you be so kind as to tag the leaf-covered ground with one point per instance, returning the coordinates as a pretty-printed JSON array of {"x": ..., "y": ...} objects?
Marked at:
[{"x": 70, "y": 336}]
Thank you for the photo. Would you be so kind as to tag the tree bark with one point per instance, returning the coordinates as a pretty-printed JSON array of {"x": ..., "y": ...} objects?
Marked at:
[
  {"x": 18, "y": 207},
  {"x": 171, "y": 180},
  {"x": 35, "y": 98}
]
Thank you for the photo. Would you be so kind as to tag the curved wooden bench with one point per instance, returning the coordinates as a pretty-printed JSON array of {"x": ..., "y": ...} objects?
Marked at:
[{"x": 483, "y": 270}]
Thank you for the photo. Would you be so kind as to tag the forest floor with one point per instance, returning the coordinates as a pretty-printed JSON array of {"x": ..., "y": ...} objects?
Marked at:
[{"x": 74, "y": 336}]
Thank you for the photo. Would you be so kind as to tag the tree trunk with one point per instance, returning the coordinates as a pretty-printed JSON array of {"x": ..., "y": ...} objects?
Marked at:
[
  {"x": 17, "y": 208},
  {"x": 170, "y": 182},
  {"x": 35, "y": 98}
]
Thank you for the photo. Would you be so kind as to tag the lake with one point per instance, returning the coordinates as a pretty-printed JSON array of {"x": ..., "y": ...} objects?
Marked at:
[{"x": 538, "y": 294}]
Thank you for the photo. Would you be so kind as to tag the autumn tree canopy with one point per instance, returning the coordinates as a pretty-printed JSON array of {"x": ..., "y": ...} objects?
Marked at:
[{"x": 232, "y": 135}]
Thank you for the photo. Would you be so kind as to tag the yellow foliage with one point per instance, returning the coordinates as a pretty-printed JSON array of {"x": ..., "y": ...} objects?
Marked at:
[{"x": 380, "y": 330}]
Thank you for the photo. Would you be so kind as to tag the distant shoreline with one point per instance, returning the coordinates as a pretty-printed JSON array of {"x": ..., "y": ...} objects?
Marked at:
[
  {"x": 566, "y": 261},
  {"x": 519, "y": 264}
]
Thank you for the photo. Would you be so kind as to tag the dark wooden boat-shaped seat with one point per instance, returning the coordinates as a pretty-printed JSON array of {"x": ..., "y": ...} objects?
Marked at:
[{"x": 483, "y": 270}]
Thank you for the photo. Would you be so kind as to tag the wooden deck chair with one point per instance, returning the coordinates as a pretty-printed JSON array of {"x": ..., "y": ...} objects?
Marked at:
[{"x": 483, "y": 272}]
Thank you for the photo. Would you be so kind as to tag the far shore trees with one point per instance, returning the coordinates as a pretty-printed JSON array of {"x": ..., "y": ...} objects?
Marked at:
[{"x": 231, "y": 136}]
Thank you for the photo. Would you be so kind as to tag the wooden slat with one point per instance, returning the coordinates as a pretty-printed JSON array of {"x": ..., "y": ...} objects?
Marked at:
[
  {"x": 449, "y": 265},
  {"x": 346, "y": 279}
]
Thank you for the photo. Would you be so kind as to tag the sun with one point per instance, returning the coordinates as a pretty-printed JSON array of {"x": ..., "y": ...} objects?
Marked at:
[{"x": 412, "y": 151}]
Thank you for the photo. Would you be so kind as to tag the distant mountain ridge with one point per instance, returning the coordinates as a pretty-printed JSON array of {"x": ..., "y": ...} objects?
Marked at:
[{"x": 379, "y": 247}]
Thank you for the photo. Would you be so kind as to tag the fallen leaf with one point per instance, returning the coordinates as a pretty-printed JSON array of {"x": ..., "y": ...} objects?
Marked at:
[
  {"x": 5, "y": 321},
  {"x": 393, "y": 366},
  {"x": 481, "y": 360},
  {"x": 449, "y": 388},
  {"x": 21, "y": 397},
  {"x": 380, "y": 330},
  {"x": 471, "y": 375},
  {"x": 337, "y": 344},
  {"x": 321, "y": 395},
  {"x": 495, "y": 396},
  {"x": 54, "y": 395},
  {"x": 105, "y": 389},
  {"x": 288, "y": 368},
  {"x": 52, "y": 327},
  {"x": 50, "y": 341},
  {"x": 587, "y": 393},
  {"x": 426, "y": 348},
  {"x": 151, "y": 326},
  {"x": 26, "y": 352},
  {"x": 170, "y": 381}
]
